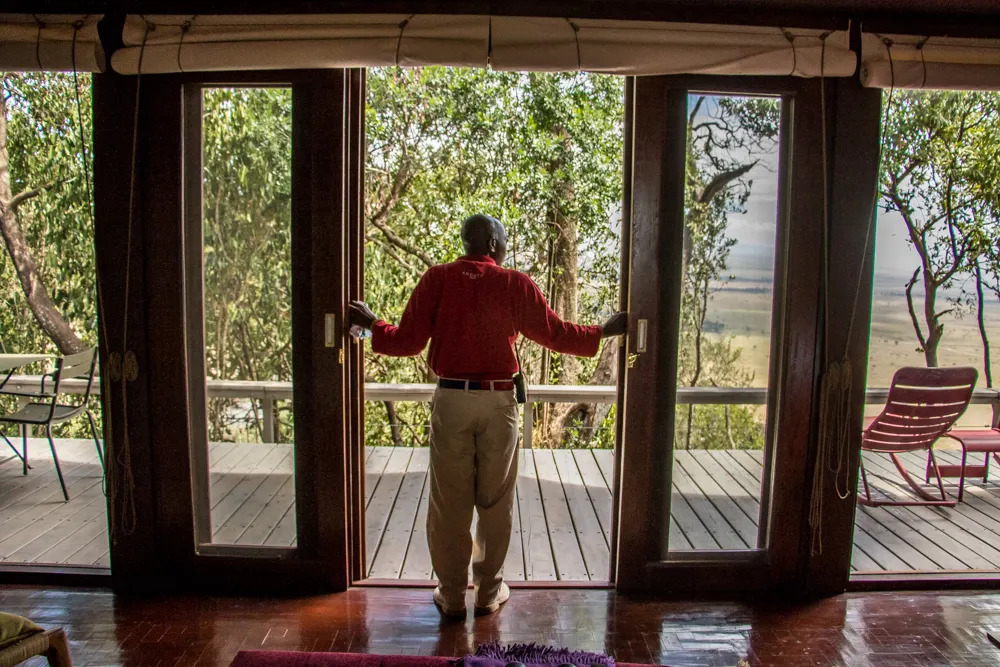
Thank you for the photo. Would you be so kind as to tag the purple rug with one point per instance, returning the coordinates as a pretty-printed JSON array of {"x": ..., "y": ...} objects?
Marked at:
[
  {"x": 495, "y": 654},
  {"x": 307, "y": 659}
]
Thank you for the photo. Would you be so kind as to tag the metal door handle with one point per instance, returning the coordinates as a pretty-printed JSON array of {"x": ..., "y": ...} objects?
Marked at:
[{"x": 330, "y": 330}]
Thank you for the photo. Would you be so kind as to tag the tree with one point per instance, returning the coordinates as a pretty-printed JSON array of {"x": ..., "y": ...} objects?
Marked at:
[
  {"x": 44, "y": 202},
  {"x": 542, "y": 152},
  {"x": 727, "y": 138},
  {"x": 932, "y": 179},
  {"x": 246, "y": 200}
]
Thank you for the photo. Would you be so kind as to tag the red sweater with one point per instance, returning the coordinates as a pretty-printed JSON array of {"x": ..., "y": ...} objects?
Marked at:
[{"x": 472, "y": 311}]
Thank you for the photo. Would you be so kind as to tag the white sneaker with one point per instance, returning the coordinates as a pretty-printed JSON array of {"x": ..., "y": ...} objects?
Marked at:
[
  {"x": 446, "y": 609},
  {"x": 503, "y": 594}
]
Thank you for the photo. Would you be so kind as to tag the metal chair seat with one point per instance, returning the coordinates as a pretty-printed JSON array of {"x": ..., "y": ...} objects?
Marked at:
[{"x": 38, "y": 413}]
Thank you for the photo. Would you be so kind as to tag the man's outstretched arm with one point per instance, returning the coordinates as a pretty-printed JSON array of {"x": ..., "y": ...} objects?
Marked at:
[
  {"x": 414, "y": 330},
  {"x": 538, "y": 322}
]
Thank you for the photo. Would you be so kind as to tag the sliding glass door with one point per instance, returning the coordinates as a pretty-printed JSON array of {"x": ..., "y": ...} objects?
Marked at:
[{"x": 714, "y": 451}]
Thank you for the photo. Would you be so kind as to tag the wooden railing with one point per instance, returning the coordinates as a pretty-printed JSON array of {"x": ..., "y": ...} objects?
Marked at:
[{"x": 268, "y": 393}]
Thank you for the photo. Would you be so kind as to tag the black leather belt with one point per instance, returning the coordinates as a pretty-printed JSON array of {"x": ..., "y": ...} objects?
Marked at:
[{"x": 477, "y": 385}]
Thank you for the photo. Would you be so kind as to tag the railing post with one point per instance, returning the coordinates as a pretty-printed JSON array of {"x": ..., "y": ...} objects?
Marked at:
[
  {"x": 267, "y": 406},
  {"x": 996, "y": 409},
  {"x": 529, "y": 424}
]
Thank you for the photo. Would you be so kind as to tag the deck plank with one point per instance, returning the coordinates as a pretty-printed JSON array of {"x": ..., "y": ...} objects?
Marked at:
[
  {"x": 735, "y": 515},
  {"x": 513, "y": 564},
  {"x": 79, "y": 536},
  {"x": 606, "y": 462},
  {"x": 686, "y": 529},
  {"x": 223, "y": 481},
  {"x": 279, "y": 505},
  {"x": 375, "y": 462},
  {"x": 417, "y": 563},
  {"x": 597, "y": 489},
  {"x": 716, "y": 525},
  {"x": 44, "y": 516},
  {"x": 96, "y": 552},
  {"x": 285, "y": 532},
  {"x": 539, "y": 563},
  {"x": 589, "y": 535},
  {"x": 749, "y": 480},
  {"x": 229, "y": 529},
  {"x": 22, "y": 491},
  {"x": 226, "y": 526},
  {"x": 384, "y": 499},
  {"x": 391, "y": 551},
  {"x": 570, "y": 564},
  {"x": 945, "y": 527}
]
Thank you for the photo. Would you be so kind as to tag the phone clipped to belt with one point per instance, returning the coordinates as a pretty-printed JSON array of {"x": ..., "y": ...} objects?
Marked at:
[{"x": 520, "y": 391}]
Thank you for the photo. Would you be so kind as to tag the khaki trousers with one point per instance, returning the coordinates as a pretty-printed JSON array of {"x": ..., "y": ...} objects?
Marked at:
[{"x": 473, "y": 465}]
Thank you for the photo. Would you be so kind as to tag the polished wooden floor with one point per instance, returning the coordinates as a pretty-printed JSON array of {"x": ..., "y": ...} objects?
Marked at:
[
  {"x": 859, "y": 630},
  {"x": 562, "y": 518}
]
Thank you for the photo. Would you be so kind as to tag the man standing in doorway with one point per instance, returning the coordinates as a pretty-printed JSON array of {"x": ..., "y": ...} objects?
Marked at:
[{"x": 472, "y": 311}]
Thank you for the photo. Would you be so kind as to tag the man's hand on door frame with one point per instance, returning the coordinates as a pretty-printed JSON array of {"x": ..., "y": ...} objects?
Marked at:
[{"x": 361, "y": 315}]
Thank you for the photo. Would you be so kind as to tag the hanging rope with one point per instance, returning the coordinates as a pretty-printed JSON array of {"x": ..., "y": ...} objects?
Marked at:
[
  {"x": 105, "y": 415},
  {"x": 835, "y": 396}
]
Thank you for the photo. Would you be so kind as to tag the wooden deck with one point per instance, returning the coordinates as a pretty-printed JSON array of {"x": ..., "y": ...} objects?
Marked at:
[{"x": 562, "y": 519}]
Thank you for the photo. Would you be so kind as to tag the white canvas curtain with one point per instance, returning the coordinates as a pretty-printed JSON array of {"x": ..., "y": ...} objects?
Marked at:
[
  {"x": 203, "y": 43},
  {"x": 216, "y": 43},
  {"x": 647, "y": 47},
  {"x": 45, "y": 42},
  {"x": 909, "y": 61}
]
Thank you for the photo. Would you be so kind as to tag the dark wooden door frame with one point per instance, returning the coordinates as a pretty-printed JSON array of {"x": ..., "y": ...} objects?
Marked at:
[
  {"x": 355, "y": 161},
  {"x": 657, "y": 137},
  {"x": 158, "y": 550}
]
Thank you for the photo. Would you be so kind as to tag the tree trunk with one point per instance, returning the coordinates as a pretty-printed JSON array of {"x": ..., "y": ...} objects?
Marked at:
[
  {"x": 933, "y": 320},
  {"x": 563, "y": 298},
  {"x": 981, "y": 317},
  {"x": 589, "y": 415},
  {"x": 46, "y": 314},
  {"x": 390, "y": 413}
]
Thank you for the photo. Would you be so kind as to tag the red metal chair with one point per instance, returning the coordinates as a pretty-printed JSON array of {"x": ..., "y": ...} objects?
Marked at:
[
  {"x": 984, "y": 441},
  {"x": 923, "y": 404}
]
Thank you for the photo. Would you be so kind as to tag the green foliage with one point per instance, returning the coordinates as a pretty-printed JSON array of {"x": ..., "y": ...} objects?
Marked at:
[
  {"x": 246, "y": 196},
  {"x": 446, "y": 143},
  {"x": 940, "y": 175},
  {"x": 44, "y": 149}
]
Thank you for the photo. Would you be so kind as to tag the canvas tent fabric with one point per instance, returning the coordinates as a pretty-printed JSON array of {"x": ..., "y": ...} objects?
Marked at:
[
  {"x": 912, "y": 61},
  {"x": 45, "y": 42},
  {"x": 162, "y": 44}
]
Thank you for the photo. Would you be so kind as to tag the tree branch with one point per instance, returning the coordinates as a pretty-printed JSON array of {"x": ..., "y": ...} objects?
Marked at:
[
  {"x": 24, "y": 196},
  {"x": 723, "y": 179},
  {"x": 397, "y": 241}
]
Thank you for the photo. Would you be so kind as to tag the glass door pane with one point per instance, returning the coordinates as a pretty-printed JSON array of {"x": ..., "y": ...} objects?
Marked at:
[
  {"x": 724, "y": 353},
  {"x": 244, "y": 472}
]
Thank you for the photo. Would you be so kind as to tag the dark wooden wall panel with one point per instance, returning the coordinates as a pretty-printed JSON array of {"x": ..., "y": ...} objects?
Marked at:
[
  {"x": 120, "y": 250},
  {"x": 163, "y": 218},
  {"x": 853, "y": 128}
]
